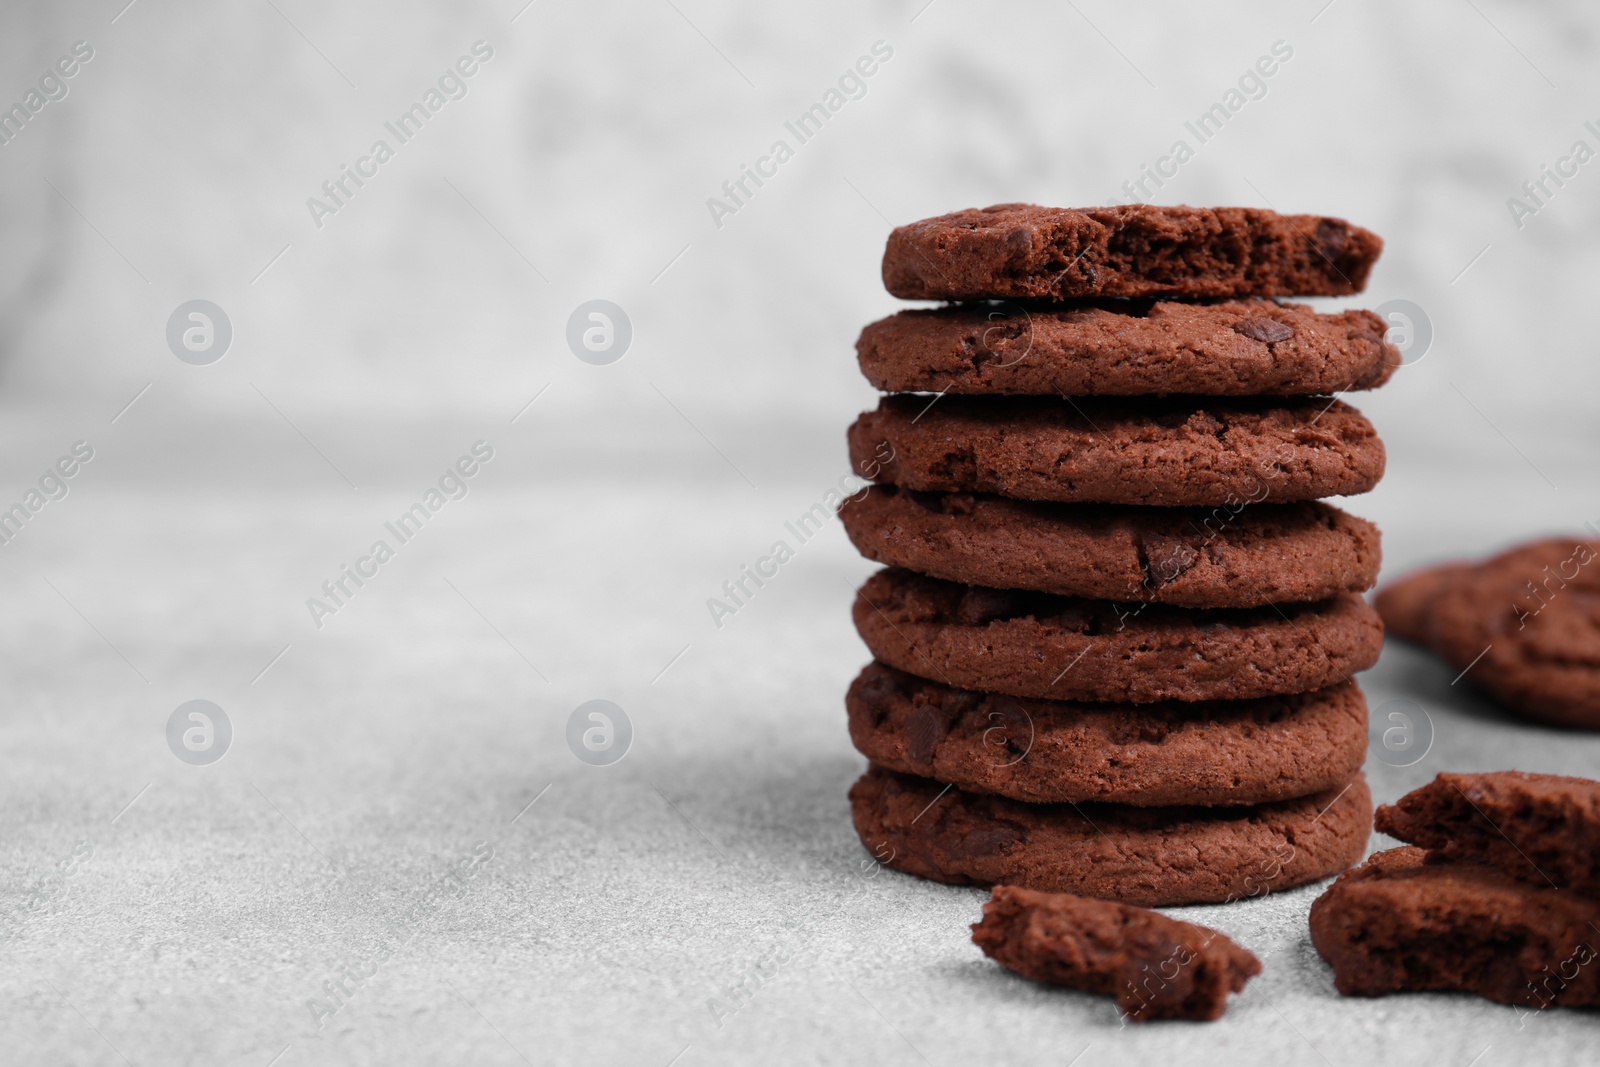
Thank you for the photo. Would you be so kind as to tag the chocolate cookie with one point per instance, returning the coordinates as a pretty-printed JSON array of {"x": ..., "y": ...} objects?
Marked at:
[
  {"x": 1237, "y": 348},
  {"x": 1222, "y": 557},
  {"x": 1020, "y": 250},
  {"x": 1156, "y": 967},
  {"x": 1526, "y": 622},
  {"x": 1405, "y": 604},
  {"x": 1171, "y": 451},
  {"x": 1149, "y": 856},
  {"x": 1540, "y": 828},
  {"x": 1037, "y": 645},
  {"x": 1044, "y": 751},
  {"x": 1400, "y": 923}
]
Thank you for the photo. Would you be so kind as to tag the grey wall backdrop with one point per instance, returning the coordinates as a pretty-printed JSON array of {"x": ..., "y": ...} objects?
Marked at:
[{"x": 375, "y": 340}]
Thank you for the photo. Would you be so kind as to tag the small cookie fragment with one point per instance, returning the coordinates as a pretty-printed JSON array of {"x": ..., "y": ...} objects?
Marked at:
[
  {"x": 1127, "y": 348},
  {"x": 1538, "y": 828},
  {"x": 1022, "y": 250},
  {"x": 1400, "y": 922},
  {"x": 1156, "y": 967},
  {"x": 1061, "y": 648},
  {"x": 1168, "y": 452},
  {"x": 1147, "y": 755},
  {"x": 1240, "y": 557}
]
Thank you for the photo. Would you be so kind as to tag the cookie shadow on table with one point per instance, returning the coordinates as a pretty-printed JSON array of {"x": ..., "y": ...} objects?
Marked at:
[
  {"x": 982, "y": 980},
  {"x": 1302, "y": 974},
  {"x": 1464, "y": 729},
  {"x": 787, "y": 818},
  {"x": 1294, "y": 975},
  {"x": 984, "y": 983},
  {"x": 1410, "y": 673}
]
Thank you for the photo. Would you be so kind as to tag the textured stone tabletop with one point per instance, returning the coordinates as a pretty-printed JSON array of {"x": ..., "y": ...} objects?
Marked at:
[
  {"x": 400, "y": 813},
  {"x": 400, "y": 858}
]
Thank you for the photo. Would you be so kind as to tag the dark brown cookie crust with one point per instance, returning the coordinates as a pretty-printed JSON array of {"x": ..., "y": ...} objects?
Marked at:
[
  {"x": 1400, "y": 923},
  {"x": 1022, "y": 250},
  {"x": 1539, "y": 828},
  {"x": 1156, "y": 967},
  {"x": 1036, "y": 645},
  {"x": 1223, "y": 557},
  {"x": 1526, "y": 623},
  {"x": 1237, "y": 348},
  {"x": 1147, "y": 856},
  {"x": 1173, "y": 451},
  {"x": 1150, "y": 755}
]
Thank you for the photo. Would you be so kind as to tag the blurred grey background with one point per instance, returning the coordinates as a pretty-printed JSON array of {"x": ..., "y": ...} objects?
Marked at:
[{"x": 372, "y": 346}]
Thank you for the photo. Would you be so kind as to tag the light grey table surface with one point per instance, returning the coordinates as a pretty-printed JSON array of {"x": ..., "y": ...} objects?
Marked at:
[
  {"x": 158, "y": 912},
  {"x": 153, "y": 912}
]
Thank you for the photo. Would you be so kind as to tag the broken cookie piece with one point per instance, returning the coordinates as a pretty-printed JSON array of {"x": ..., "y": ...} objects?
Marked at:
[
  {"x": 1537, "y": 828},
  {"x": 1403, "y": 922},
  {"x": 1023, "y": 250},
  {"x": 1156, "y": 967}
]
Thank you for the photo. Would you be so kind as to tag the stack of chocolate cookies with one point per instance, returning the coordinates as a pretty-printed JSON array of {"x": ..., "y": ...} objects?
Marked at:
[{"x": 1115, "y": 637}]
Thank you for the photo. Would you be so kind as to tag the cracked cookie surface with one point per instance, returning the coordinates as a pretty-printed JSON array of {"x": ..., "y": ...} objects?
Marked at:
[
  {"x": 1147, "y": 755},
  {"x": 1062, "y": 648},
  {"x": 1403, "y": 922},
  {"x": 1219, "y": 557},
  {"x": 1173, "y": 451},
  {"x": 1543, "y": 829},
  {"x": 1146, "y": 856},
  {"x": 1022, "y": 250},
  {"x": 1127, "y": 348}
]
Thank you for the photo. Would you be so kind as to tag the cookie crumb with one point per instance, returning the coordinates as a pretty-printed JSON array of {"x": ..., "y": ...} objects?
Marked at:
[{"x": 1155, "y": 967}]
